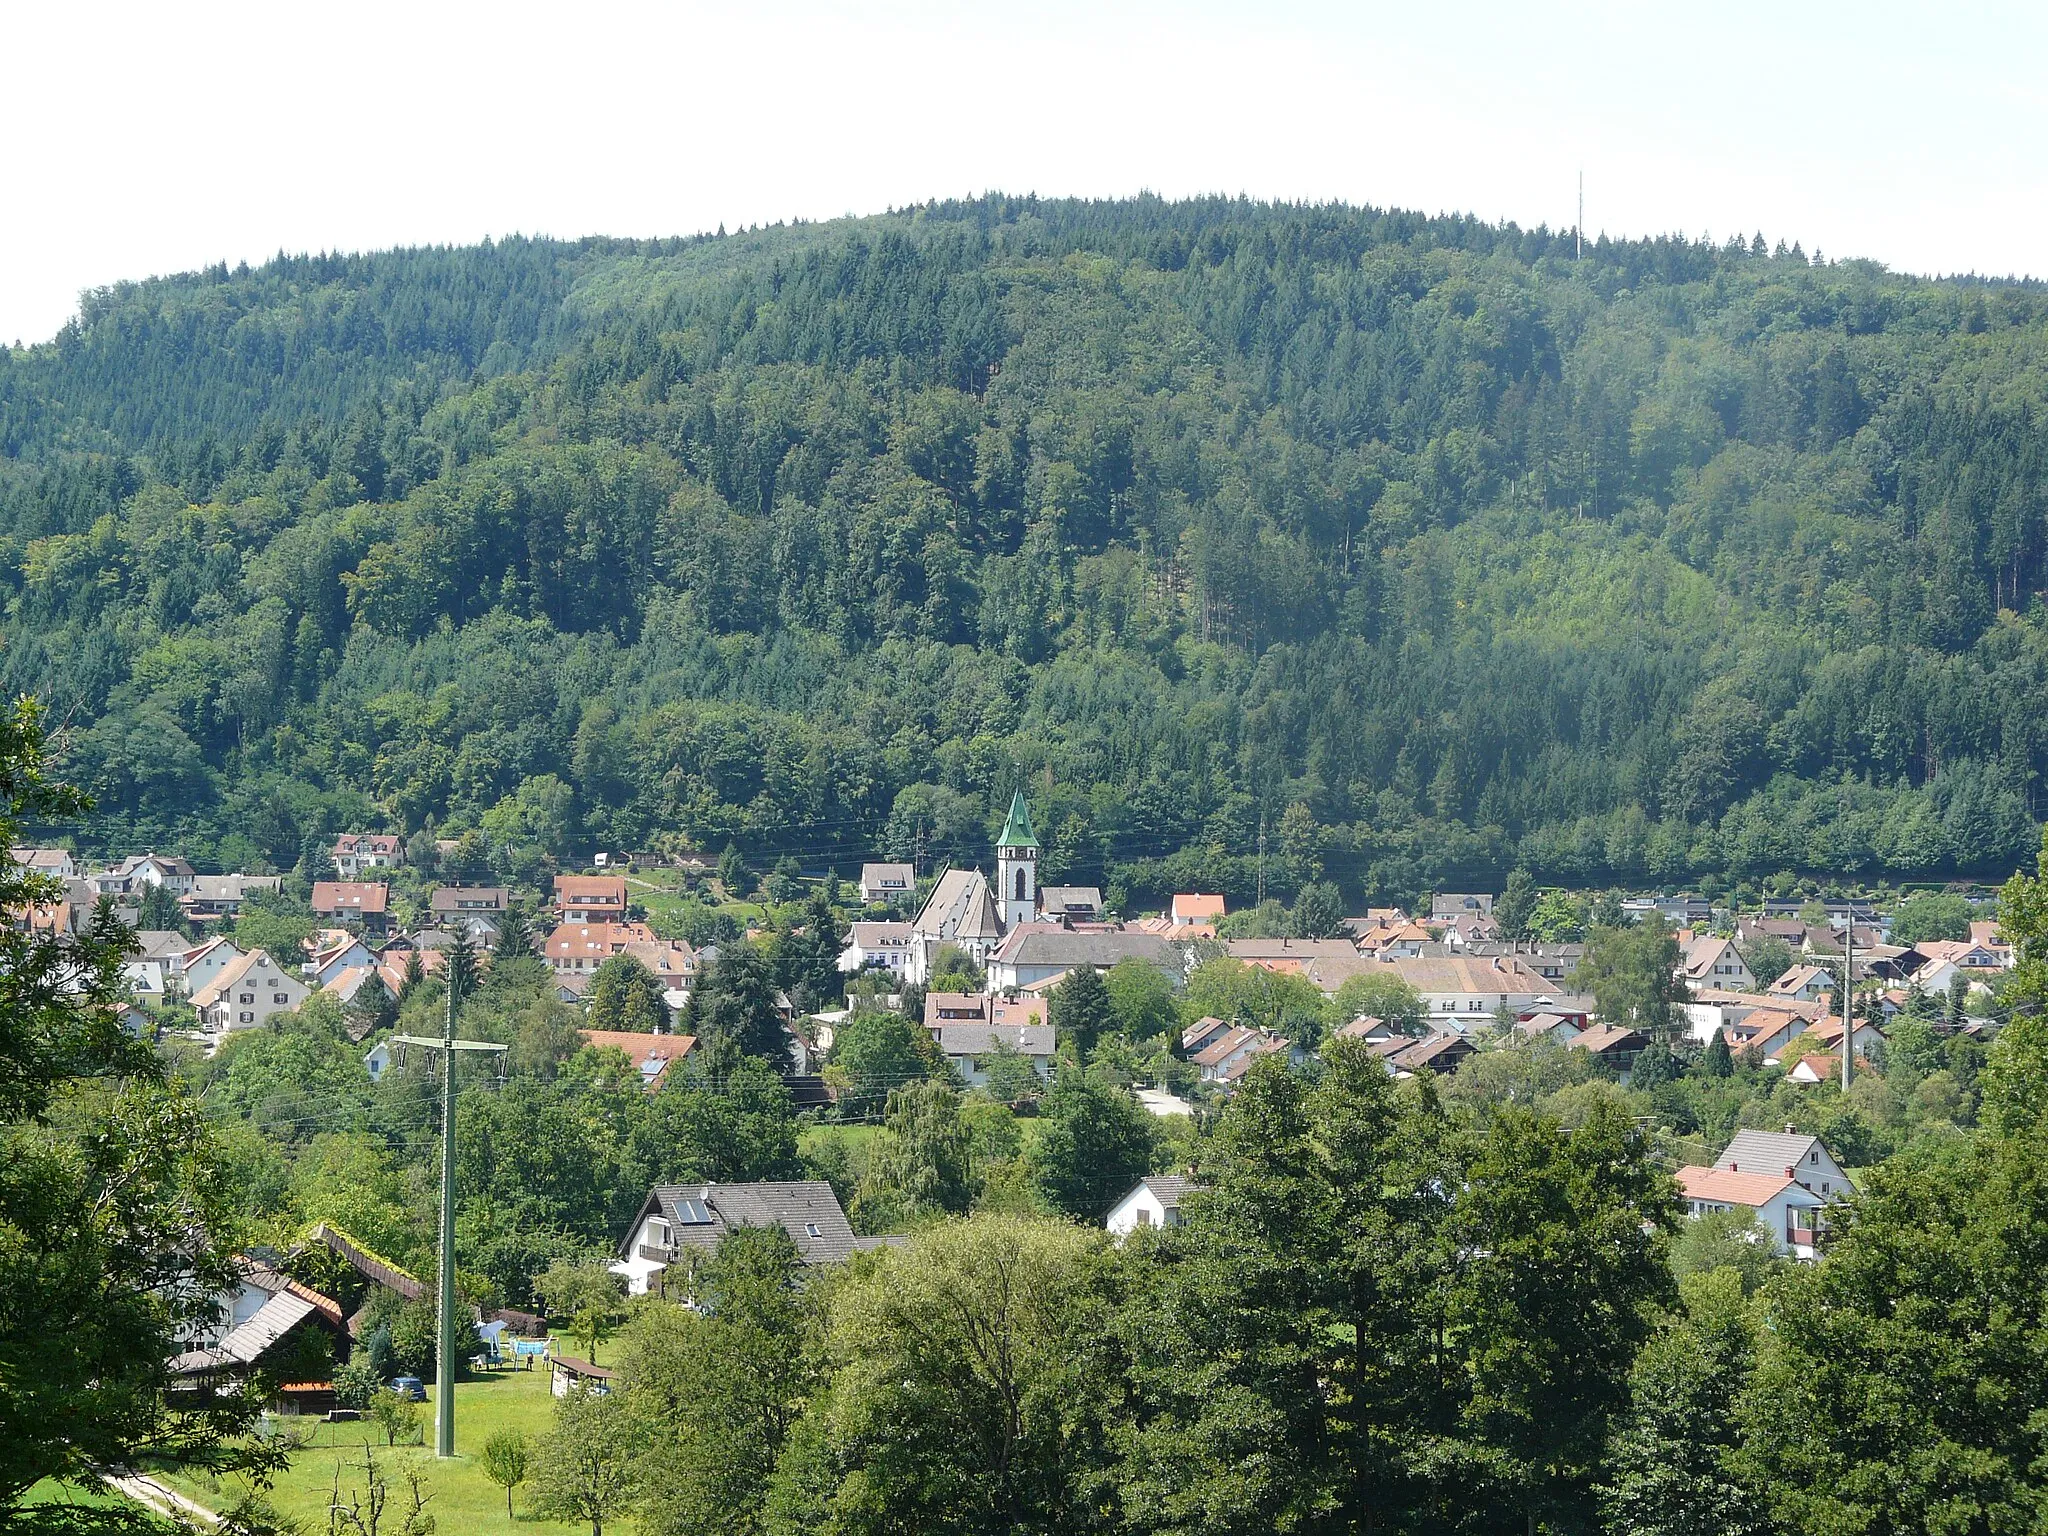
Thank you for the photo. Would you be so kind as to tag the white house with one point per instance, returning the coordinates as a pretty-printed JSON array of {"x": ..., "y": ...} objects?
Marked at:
[
  {"x": 206, "y": 961},
  {"x": 1788, "y": 1210},
  {"x": 347, "y": 953},
  {"x": 1153, "y": 1202},
  {"x": 969, "y": 1045},
  {"x": 1716, "y": 963},
  {"x": 683, "y": 1222},
  {"x": 247, "y": 994},
  {"x": 1791, "y": 1153},
  {"x": 1194, "y": 909},
  {"x": 128, "y": 877},
  {"x": 886, "y": 882},
  {"x": 1035, "y": 952},
  {"x": 876, "y": 947},
  {"x": 379, "y": 1059},
  {"x": 1805, "y": 983},
  {"x": 56, "y": 862},
  {"x": 357, "y": 853}
]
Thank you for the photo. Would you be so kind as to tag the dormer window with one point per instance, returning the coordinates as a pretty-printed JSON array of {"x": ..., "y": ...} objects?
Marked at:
[{"x": 811, "y": 1230}]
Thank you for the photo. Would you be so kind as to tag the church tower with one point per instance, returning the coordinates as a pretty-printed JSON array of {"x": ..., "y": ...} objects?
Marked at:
[{"x": 1017, "y": 866}]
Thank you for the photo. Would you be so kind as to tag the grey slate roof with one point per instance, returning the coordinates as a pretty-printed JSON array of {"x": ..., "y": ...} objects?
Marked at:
[
  {"x": 1043, "y": 944},
  {"x": 1766, "y": 1151},
  {"x": 245, "y": 1345},
  {"x": 969, "y": 1037},
  {"x": 1167, "y": 1188},
  {"x": 960, "y": 907},
  {"x": 795, "y": 1207}
]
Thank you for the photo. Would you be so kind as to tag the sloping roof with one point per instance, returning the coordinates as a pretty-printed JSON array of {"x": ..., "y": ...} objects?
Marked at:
[
  {"x": 1769, "y": 1152},
  {"x": 642, "y": 1049},
  {"x": 245, "y": 1345},
  {"x": 888, "y": 876},
  {"x": 1292, "y": 949},
  {"x": 960, "y": 907},
  {"x": 1208, "y": 1027},
  {"x": 879, "y": 935},
  {"x": 366, "y": 1263},
  {"x": 231, "y": 887},
  {"x": 1222, "y": 1047},
  {"x": 1167, "y": 1188},
  {"x": 1436, "y": 1052},
  {"x": 1057, "y": 898},
  {"x": 1046, "y": 944},
  {"x": 1191, "y": 907},
  {"x": 1730, "y": 1188},
  {"x": 571, "y": 889},
  {"x": 795, "y": 1206},
  {"x": 232, "y": 973},
  {"x": 967, "y": 1037},
  {"x": 1017, "y": 831},
  {"x": 1599, "y": 1039},
  {"x": 451, "y": 898},
  {"x": 369, "y": 896}
]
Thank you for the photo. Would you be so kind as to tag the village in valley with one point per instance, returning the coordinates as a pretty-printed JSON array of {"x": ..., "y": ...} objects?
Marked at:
[{"x": 991, "y": 965}]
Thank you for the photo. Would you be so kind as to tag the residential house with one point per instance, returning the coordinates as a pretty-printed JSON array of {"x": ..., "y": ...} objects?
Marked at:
[
  {"x": 1225, "y": 1058},
  {"x": 680, "y": 1224},
  {"x": 1766, "y": 1032},
  {"x": 247, "y": 994},
  {"x": 1154, "y": 1201},
  {"x": 206, "y": 961},
  {"x": 268, "y": 1317},
  {"x": 1799, "y": 1156},
  {"x": 1805, "y": 982},
  {"x": 1946, "y": 959},
  {"x": 1034, "y": 952},
  {"x": 1194, "y": 910},
  {"x": 1821, "y": 1067},
  {"x": 361, "y": 904},
  {"x": 1607, "y": 1043},
  {"x": 128, "y": 877},
  {"x": 1455, "y": 904},
  {"x": 1440, "y": 1053},
  {"x": 57, "y": 863},
  {"x": 876, "y": 947},
  {"x": 1200, "y": 1034},
  {"x": 590, "y": 898},
  {"x": 337, "y": 955},
  {"x": 887, "y": 884},
  {"x": 379, "y": 1059},
  {"x": 1410, "y": 941},
  {"x": 980, "y": 1008},
  {"x": 148, "y": 982},
  {"x": 216, "y": 897},
  {"x": 1828, "y": 1032},
  {"x": 1461, "y": 992},
  {"x": 1985, "y": 933},
  {"x": 652, "y": 1055},
  {"x": 1787, "y": 1209},
  {"x": 356, "y": 854},
  {"x": 1711, "y": 962},
  {"x": 1070, "y": 903},
  {"x": 583, "y": 947},
  {"x": 672, "y": 962},
  {"x": 1559, "y": 1026},
  {"x": 474, "y": 911},
  {"x": 1708, "y": 1011},
  {"x": 1465, "y": 930},
  {"x": 968, "y": 1045}
]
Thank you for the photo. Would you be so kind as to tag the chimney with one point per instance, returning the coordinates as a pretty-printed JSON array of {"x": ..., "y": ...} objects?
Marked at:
[
  {"x": 1735, "y": 1167},
  {"x": 1791, "y": 1129}
]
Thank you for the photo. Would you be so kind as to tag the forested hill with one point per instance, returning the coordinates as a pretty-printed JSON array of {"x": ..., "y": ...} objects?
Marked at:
[{"x": 1418, "y": 542}]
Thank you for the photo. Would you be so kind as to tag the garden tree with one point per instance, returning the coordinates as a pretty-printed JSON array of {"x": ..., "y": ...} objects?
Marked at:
[
  {"x": 1904, "y": 1378},
  {"x": 1716, "y": 1060},
  {"x": 782, "y": 881},
  {"x": 954, "y": 970},
  {"x": 158, "y": 911},
  {"x": 625, "y": 995},
  {"x": 807, "y": 959},
  {"x": 733, "y": 1011},
  {"x": 1932, "y": 916},
  {"x": 1286, "y": 1348},
  {"x": 1141, "y": 1000},
  {"x": 370, "y": 1010},
  {"x": 1632, "y": 974},
  {"x": 506, "y": 1458},
  {"x": 114, "y": 1221},
  {"x": 1231, "y": 990},
  {"x": 460, "y": 966},
  {"x": 921, "y": 1167},
  {"x": 1008, "y": 1076},
  {"x": 1096, "y": 1143},
  {"x": 1557, "y": 919},
  {"x": 713, "y": 1391},
  {"x": 412, "y": 978},
  {"x": 1732, "y": 1240},
  {"x": 732, "y": 873},
  {"x": 585, "y": 1466},
  {"x": 1670, "y": 1467},
  {"x": 971, "y": 1385},
  {"x": 1516, "y": 906},
  {"x": 587, "y": 1294},
  {"x": 875, "y": 1053},
  {"x": 741, "y": 1130},
  {"x": 1080, "y": 1009},
  {"x": 1567, "y": 1233},
  {"x": 397, "y": 1415},
  {"x": 515, "y": 932},
  {"x": 1383, "y": 996},
  {"x": 1318, "y": 911},
  {"x": 274, "y": 923},
  {"x": 1768, "y": 957}
]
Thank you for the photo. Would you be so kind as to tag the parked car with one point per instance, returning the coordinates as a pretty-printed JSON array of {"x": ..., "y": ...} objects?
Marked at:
[{"x": 411, "y": 1388}]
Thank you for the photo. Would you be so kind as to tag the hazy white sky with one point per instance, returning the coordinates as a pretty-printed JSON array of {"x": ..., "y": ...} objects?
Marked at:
[{"x": 139, "y": 139}]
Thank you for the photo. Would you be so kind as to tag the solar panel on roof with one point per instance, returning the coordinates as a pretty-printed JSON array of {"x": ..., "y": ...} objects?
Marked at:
[{"x": 693, "y": 1213}]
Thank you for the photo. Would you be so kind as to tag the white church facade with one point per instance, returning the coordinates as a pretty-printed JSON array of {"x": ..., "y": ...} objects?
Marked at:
[{"x": 963, "y": 909}]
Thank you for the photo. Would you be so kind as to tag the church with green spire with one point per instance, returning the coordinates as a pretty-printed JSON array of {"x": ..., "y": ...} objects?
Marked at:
[
  {"x": 967, "y": 911},
  {"x": 1017, "y": 865}
]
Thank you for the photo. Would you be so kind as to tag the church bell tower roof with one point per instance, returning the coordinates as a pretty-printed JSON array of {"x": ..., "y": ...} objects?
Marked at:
[{"x": 1016, "y": 831}]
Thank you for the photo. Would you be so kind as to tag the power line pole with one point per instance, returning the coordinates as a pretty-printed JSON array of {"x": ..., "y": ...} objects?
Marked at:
[
  {"x": 1580, "y": 228},
  {"x": 447, "y": 1045},
  {"x": 1848, "y": 995}
]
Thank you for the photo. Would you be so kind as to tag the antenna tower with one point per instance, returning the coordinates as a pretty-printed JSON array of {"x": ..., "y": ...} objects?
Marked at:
[{"x": 1579, "y": 230}]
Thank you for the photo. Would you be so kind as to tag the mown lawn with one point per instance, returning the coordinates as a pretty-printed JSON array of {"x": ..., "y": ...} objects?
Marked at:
[
  {"x": 68, "y": 1496},
  {"x": 461, "y": 1498}
]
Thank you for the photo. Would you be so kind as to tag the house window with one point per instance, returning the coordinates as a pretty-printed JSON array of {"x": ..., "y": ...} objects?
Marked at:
[
  {"x": 811, "y": 1230},
  {"x": 1020, "y": 885},
  {"x": 280, "y": 997},
  {"x": 247, "y": 1018},
  {"x": 247, "y": 997}
]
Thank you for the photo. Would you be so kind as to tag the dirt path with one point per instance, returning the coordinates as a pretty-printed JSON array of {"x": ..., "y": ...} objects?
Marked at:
[{"x": 165, "y": 1501}]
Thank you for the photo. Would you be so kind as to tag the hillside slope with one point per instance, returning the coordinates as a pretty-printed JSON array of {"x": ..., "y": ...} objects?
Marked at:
[{"x": 1415, "y": 542}]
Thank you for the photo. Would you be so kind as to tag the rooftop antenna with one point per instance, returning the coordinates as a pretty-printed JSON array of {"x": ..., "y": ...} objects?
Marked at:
[{"x": 1580, "y": 229}]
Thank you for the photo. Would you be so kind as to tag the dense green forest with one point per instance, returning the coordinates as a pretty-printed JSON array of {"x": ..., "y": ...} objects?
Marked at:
[{"x": 1417, "y": 544}]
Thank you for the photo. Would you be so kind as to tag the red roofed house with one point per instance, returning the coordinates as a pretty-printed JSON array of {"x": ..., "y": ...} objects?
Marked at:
[
  {"x": 591, "y": 898},
  {"x": 650, "y": 1054},
  {"x": 1191, "y": 911},
  {"x": 1787, "y": 1208},
  {"x": 582, "y": 947},
  {"x": 353, "y": 903}
]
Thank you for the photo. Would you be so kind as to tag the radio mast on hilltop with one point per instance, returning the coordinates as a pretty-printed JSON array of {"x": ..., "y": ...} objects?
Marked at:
[{"x": 1580, "y": 228}]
